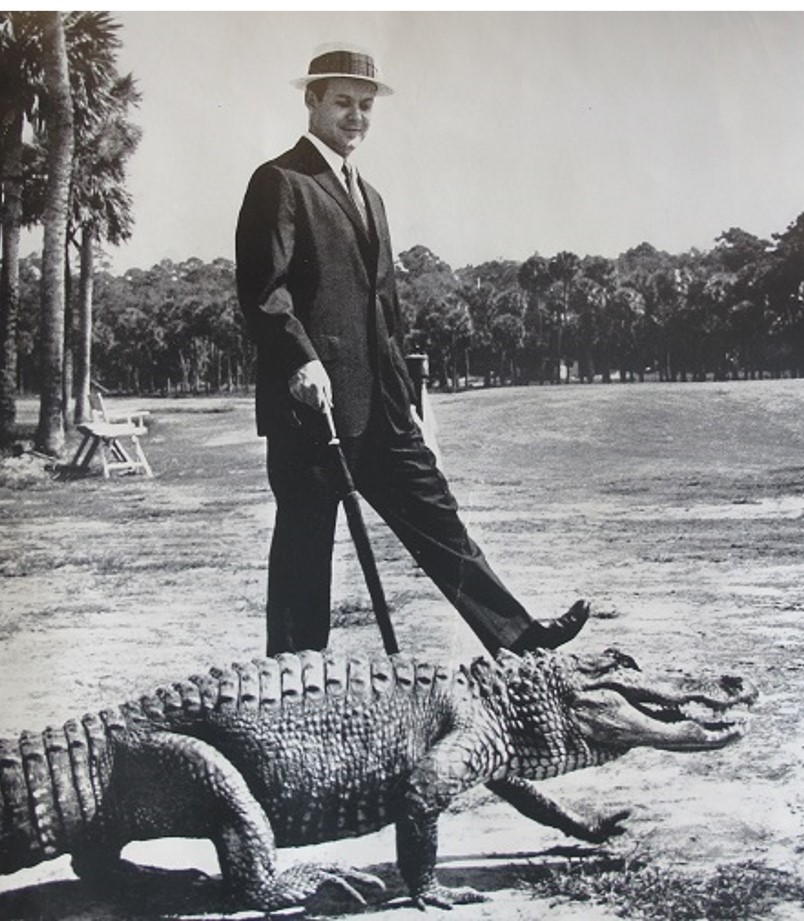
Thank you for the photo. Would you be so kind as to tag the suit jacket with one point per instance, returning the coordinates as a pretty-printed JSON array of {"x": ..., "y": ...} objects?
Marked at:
[{"x": 314, "y": 283}]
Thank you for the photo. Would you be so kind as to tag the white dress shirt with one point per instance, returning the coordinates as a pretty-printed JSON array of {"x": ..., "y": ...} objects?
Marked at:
[{"x": 336, "y": 163}]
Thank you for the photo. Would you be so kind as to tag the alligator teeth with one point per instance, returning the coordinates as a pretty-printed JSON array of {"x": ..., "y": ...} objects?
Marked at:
[
  {"x": 658, "y": 711},
  {"x": 711, "y": 717},
  {"x": 694, "y": 711}
]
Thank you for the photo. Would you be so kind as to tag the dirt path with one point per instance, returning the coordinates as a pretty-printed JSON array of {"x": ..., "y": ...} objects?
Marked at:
[{"x": 678, "y": 511}]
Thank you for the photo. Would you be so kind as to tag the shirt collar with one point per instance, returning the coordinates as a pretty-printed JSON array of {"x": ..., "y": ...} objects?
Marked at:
[{"x": 334, "y": 160}]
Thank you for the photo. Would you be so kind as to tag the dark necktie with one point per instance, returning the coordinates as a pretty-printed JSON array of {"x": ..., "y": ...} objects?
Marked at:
[{"x": 354, "y": 193}]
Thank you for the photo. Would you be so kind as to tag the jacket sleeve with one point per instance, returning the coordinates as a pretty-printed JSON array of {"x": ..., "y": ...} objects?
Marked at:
[{"x": 264, "y": 246}]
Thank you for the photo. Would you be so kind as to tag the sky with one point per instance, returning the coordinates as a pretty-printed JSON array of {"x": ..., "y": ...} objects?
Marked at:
[{"x": 508, "y": 133}]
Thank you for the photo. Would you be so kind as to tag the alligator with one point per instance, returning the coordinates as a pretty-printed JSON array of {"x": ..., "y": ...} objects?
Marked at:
[{"x": 311, "y": 747}]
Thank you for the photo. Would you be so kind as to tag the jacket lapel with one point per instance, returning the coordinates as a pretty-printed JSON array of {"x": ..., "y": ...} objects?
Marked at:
[
  {"x": 314, "y": 165},
  {"x": 374, "y": 208},
  {"x": 330, "y": 183}
]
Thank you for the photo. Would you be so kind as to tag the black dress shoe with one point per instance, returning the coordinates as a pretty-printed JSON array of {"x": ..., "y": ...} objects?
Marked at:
[{"x": 556, "y": 632}]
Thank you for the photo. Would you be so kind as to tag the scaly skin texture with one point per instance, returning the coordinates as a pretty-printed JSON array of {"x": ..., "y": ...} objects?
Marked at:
[{"x": 315, "y": 747}]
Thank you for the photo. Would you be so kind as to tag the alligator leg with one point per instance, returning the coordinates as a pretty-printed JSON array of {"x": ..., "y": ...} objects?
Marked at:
[
  {"x": 169, "y": 785},
  {"x": 436, "y": 780},
  {"x": 527, "y": 799}
]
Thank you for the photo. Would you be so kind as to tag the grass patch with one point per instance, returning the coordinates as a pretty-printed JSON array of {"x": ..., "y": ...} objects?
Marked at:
[
  {"x": 352, "y": 614},
  {"x": 733, "y": 892},
  {"x": 24, "y": 470}
]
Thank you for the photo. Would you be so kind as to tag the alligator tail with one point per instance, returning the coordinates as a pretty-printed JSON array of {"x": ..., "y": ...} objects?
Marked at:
[{"x": 51, "y": 788}]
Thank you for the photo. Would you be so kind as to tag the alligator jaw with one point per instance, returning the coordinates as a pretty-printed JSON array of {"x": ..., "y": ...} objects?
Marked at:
[
  {"x": 616, "y": 717},
  {"x": 718, "y": 695}
]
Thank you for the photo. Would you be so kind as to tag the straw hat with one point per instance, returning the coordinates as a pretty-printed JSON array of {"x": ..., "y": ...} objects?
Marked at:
[{"x": 340, "y": 59}]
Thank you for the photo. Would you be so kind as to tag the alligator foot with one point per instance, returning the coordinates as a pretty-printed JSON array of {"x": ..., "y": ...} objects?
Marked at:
[
  {"x": 445, "y": 897},
  {"x": 603, "y": 828},
  {"x": 525, "y": 796},
  {"x": 323, "y": 883},
  {"x": 555, "y": 633}
]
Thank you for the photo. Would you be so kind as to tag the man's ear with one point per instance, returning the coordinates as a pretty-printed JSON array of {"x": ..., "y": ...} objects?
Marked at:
[{"x": 310, "y": 99}]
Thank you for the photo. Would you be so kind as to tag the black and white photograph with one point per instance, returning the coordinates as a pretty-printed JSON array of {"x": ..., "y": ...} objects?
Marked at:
[{"x": 401, "y": 465}]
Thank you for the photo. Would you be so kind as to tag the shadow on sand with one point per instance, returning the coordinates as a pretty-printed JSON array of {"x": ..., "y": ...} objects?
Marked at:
[{"x": 149, "y": 893}]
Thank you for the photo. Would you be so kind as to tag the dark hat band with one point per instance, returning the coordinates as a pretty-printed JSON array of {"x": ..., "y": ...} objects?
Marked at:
[{"x": 344, "y": 62}]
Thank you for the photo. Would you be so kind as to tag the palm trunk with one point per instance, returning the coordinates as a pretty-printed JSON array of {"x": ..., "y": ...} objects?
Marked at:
[
  {"x": 83, "y": 358},
  {"x": 50, "y": 431},
  {"x": 559, "y": 349},
  {"x": 10, "y": 280},
  {"x": 69, "y": 336}
]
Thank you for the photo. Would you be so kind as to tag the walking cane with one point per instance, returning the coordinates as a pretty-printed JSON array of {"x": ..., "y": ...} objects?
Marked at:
[{"x": 357, "y": 528}]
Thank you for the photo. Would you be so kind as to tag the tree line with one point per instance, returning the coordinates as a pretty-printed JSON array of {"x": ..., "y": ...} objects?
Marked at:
[
  {"x": 736, "y": 310},
  {"x": 175, "y": 328}
]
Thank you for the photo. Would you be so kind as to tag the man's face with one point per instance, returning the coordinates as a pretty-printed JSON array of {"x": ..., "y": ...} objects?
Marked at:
[{"x": 342, "y": 117}]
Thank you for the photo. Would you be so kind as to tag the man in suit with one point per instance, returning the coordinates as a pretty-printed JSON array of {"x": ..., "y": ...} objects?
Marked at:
[{"x": 315, "y": 280}]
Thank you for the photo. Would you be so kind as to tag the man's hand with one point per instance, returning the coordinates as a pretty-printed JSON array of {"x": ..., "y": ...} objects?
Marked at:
[{"x": 310, "y": 385}]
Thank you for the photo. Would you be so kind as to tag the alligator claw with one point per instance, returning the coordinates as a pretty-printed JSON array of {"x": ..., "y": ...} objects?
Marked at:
[
  {"x": 446, "y": 897},
  {"x": 324, "y": 883},
  {"x": 607, "y": 827}
]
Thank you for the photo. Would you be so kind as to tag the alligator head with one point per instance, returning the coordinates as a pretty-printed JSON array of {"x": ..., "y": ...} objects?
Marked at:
[
  {"x": 574, "y": 711},
  {"x": 618, "y": 705}
]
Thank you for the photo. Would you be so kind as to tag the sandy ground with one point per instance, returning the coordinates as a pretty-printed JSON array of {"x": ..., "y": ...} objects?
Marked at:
[{"x": 678, "y": 511}]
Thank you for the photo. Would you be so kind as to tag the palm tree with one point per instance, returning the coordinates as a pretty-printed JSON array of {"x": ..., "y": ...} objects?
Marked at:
[
  {"x": 91, "y": 44},
  {"x": 564, "y": 268},
  {"x": 535, "y": 280},
  {"x": 50, "y": 431},
  {"x": 101, "y": 210},
  {"x": 99, "y": 206},
  {"x": 590, "y": 300},
  {"x": 20, "y": 79}
]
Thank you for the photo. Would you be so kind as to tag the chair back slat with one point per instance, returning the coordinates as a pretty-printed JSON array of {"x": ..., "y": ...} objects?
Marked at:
[{"x": 96, "y": 405}]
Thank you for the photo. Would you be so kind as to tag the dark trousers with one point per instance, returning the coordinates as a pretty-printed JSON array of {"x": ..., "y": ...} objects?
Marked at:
[{"x": 397, "y": 475}]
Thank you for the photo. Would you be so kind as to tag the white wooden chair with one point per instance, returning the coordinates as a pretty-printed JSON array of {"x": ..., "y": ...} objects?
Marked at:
[{"x": 103, "y": 433}]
